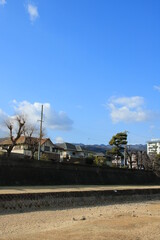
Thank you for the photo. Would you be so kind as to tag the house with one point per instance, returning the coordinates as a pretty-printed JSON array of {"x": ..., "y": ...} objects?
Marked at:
[
  {"x": 132, "y": 160},
  {"x": 27, "y": 146},
  {"x": 22, "y": 146},
  {"x": 117, "y": 161},
  {"x": 70, "y": 152},
  {"x": 153, "y": 147},
  {"x": 80, "y": 152}
]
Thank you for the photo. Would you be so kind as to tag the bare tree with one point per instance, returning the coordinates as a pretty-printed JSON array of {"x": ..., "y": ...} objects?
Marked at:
[
  {"x": 32, "y": 141},
  {"x": 156, "y": 164},
  {"x": 147, "y": 161},
  {"x": 16, "y": 127},
  {"x": 19, "y": 126},
  {"x": 129, "y": 155}
]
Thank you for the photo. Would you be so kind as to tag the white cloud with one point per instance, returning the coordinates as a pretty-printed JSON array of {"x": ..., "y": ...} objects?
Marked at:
[
  {"x": 3, "y": 116},
  {"x": 130, "y": 102},
  {"x": 52, "y": 119},
  {"x": 33, "y": 12},
  {"x": 3, "y": 129},
  {"x": 128, "y": 109},
  {"x": 157, "y": 88},
  {"x": 59, "y": 140},
  {"x": 3, "y": 2}
]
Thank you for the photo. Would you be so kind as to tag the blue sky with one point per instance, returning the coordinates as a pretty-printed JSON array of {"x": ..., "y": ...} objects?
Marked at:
[{"x": 93, "y": 64}]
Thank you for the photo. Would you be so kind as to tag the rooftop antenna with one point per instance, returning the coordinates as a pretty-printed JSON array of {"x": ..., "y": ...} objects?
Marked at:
[{"x": 40, "y": 134}]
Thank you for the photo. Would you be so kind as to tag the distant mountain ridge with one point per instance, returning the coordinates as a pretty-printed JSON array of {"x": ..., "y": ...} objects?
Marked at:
[{"x": 103, "y": 148}]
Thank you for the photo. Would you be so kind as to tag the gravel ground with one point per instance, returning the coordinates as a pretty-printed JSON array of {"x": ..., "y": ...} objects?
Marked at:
[{"x": 131, "y": 221}]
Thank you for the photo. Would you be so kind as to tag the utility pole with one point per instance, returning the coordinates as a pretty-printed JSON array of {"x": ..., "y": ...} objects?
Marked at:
[
  {"x": 40, "y": 134},
  {"x": 124, "y": 155},
  {"x": 125, "y": 148}
]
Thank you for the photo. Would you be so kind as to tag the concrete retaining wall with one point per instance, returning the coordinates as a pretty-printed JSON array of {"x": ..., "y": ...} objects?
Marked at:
[{"x": 26, "y": 172}]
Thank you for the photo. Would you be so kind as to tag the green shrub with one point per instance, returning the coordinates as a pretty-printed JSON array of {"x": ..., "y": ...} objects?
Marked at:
[{"x": 100, "y": 161}]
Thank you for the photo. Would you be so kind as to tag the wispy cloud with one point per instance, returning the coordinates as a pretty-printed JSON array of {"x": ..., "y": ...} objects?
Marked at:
[
  {"x": 157, "y": 88},
  {"x": 59, "y": 140},
  {"x": 152, "y": 127},
  {"x": 79, "y": 107},
  {"x": 3, "y": 2},
  {"x": 32, "y": 11},
  {"x": 128, "y": 109}
]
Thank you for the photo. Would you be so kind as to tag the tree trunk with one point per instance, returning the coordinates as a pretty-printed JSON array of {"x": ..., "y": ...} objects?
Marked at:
[
  {"x": 9, "y": 150},
  {"x": 130, "y": 159}
]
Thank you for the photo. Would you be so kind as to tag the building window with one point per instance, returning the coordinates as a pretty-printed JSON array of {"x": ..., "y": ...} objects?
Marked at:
[
  {"x": 54, "y": 150},
  {"x": 46, "y": 148}
]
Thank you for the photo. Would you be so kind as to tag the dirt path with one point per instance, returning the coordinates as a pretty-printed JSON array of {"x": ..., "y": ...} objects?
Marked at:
[
  {"x": 130, "y": 221},
  {"x": 70, "y": 188}
]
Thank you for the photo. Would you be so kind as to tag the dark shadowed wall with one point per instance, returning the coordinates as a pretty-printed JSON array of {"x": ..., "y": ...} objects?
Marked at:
[{"x": 28, "y": 172}]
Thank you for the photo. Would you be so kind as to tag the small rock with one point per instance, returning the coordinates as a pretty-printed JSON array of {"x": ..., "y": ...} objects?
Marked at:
[
  {"x": 134, "y": 215},
  {"x": 83, "y": 218}
]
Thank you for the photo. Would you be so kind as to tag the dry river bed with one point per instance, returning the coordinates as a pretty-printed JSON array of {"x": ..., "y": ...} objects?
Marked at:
[{"x": 138, "y": 221}]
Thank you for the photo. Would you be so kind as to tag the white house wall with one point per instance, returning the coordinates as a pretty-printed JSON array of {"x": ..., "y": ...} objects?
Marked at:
[
  {"x": 153, "y": 147},
  {"x": 47, "y": 144}
]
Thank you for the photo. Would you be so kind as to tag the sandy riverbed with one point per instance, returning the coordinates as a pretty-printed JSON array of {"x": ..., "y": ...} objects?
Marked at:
[{"x": 138, "y": 221}]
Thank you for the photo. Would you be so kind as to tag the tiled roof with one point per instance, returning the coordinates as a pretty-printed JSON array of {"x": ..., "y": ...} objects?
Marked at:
[
  {"x": 67, "y": 146},
  {"x": 3, "y": 139},
  {"x": 78, "y": 147},
  {"x": 25, "y": 140}
]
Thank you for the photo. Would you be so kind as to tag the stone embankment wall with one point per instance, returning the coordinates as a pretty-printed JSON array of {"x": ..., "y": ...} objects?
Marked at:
[
  {"x": 23, "y": 172},
  {"x": 61, "y": 200}
]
